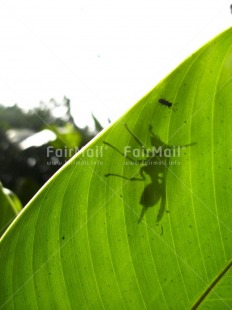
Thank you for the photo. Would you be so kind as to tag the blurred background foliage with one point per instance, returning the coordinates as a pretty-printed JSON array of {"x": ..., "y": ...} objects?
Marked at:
[{"x": 25, "y": 163}]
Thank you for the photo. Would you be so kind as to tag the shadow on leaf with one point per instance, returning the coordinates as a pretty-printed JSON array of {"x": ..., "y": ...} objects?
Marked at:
[{"x": 154, "y": 164}]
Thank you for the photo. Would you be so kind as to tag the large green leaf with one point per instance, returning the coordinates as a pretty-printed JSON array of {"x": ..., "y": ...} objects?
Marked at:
[{"x": 81, "y": 243}]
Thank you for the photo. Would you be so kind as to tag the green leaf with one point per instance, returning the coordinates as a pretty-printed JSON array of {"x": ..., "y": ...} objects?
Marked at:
[
  {"x": 83, "y": 242},
  {"x": 10, "y": 206}
]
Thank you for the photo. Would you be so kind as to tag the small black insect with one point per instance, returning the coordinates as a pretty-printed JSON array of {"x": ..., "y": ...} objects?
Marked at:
[{"x": 165, "y": 102}]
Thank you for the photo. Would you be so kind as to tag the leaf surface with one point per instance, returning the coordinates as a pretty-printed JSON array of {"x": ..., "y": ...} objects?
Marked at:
[{"x": 83, "y": 242}]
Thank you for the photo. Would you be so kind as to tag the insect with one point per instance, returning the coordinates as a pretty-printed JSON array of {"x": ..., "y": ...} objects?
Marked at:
[
  {"x": 165, "y": 102},
  {"x": 153, "y": 164}
]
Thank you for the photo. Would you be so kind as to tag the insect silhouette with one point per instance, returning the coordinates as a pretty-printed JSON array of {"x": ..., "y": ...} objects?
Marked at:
[
  {"x": 165, "y": 102},
  {"x": 154, "y": 164}
]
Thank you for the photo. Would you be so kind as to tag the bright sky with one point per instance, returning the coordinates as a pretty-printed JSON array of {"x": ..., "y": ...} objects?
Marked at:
[{"x": 103, "y": 55}]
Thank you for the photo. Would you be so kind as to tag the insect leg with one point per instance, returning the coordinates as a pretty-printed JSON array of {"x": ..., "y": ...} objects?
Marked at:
[
  {"x": 142, "y": 178},
  {"x": 162, "y": 207},
  {"x": 169, "y": 146},
  {"x": 162, "y": 229},
  {"x": 121, "y": 176},
  {"x": 142, "y": 214},
  {"x": 137, "y": 139},
  {"x": 186, "y": 145},
  {"x": 121, "y": 153},
  {"x": 137, "y": 161}
]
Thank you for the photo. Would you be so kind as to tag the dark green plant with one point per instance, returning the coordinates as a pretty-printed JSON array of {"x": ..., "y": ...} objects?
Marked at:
[{"x": 25, "y": 170}]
